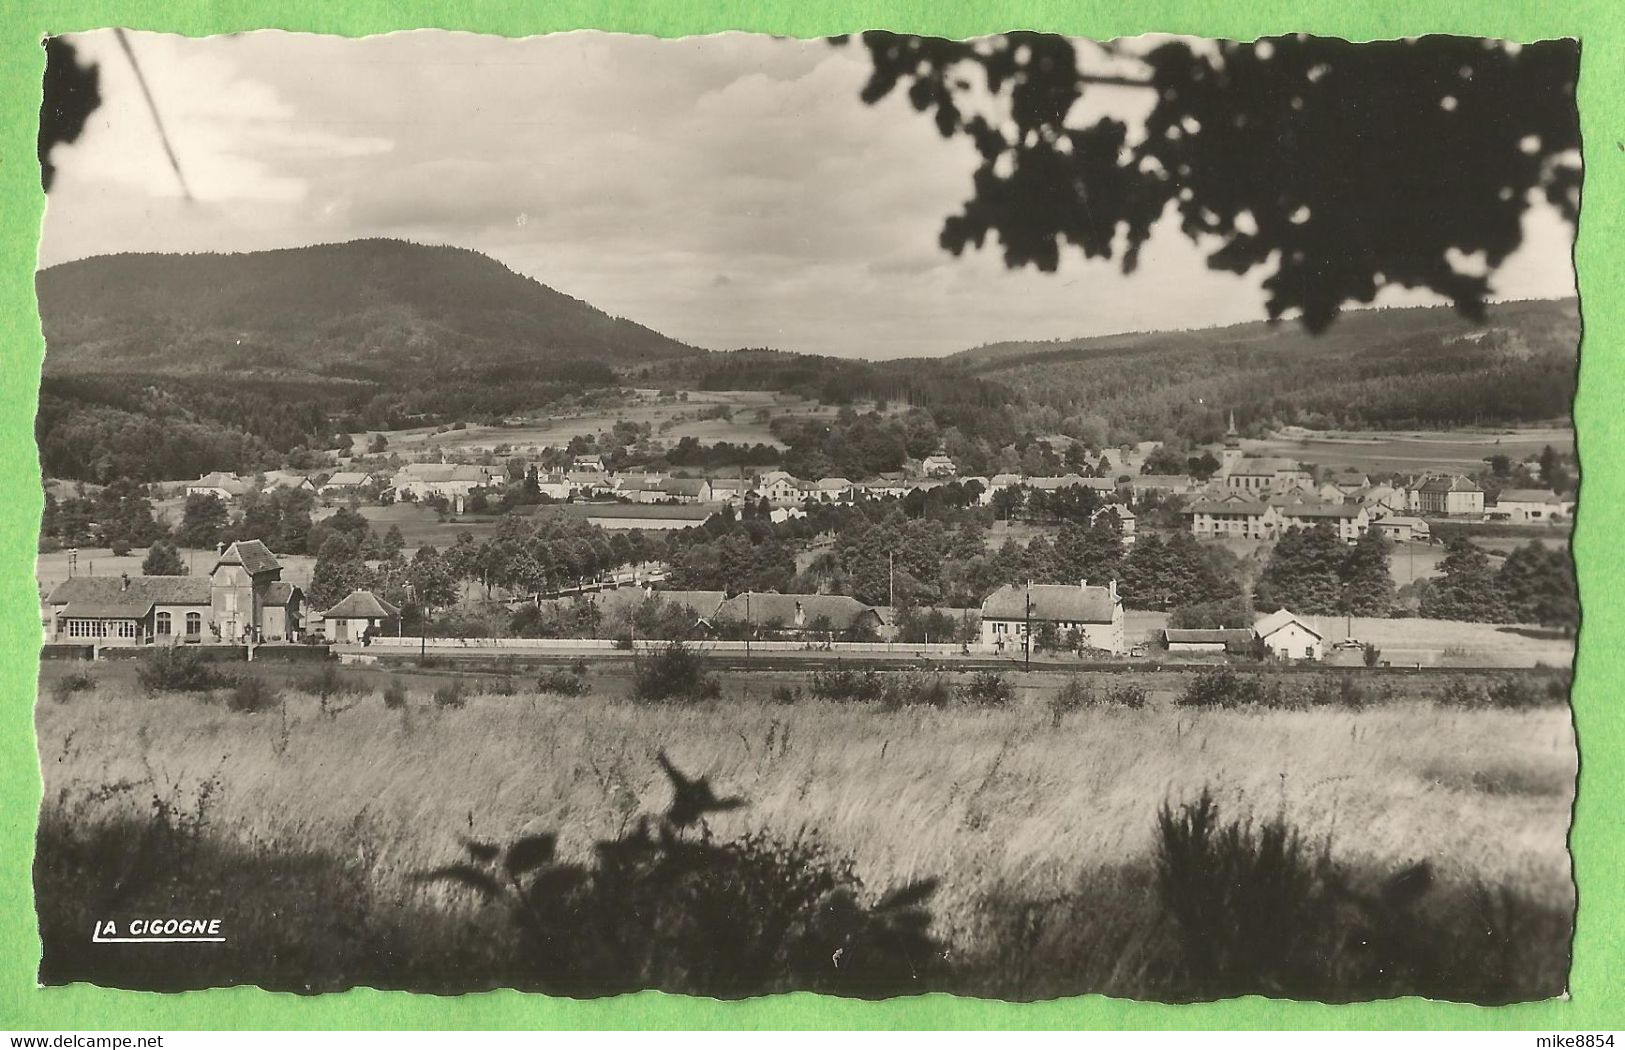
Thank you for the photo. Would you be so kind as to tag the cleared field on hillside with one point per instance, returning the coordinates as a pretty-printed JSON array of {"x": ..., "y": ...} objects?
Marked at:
[
  {"x": 751, "y": 412},
  {"x": 1002, "y": 805},
  {"x": 1413, "y": 452}
]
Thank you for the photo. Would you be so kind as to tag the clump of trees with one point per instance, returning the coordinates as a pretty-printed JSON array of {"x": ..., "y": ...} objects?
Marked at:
[{"x": 1313, "y": 571}]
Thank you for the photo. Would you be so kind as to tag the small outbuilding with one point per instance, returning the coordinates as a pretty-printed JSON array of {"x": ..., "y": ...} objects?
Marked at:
[
  {"x": 1289, "y": 637},
  {"x": 358, "y": 615},
  {"x": 1208, "y": 639}
]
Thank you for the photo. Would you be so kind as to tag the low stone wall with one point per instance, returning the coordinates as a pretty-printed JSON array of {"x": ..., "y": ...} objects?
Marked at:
[{"x": 545, "y": 645}]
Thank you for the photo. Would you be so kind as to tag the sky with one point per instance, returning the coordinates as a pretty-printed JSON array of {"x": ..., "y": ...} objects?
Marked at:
[{"x": 728, "y": 191}]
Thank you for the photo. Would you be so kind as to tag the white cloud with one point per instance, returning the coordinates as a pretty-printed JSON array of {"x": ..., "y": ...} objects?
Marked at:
[{"x": 728, "y": 190}]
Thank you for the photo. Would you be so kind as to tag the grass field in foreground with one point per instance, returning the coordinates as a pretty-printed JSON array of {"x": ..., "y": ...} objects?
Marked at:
[{"x": 1017, "y": 816}]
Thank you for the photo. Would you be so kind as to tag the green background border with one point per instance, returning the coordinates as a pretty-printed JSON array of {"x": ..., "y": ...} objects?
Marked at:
[{"x": 1598, "y": 982}]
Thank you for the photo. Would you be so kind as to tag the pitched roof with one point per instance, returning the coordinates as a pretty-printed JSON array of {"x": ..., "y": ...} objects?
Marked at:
[
  {"x": 686, "y": 511},
  {"x": 280, "y": 592},
  {"x": 1066, "y": 481},
  {"x": 1266, "y": 465},
  {"x": 1159, "y": 481},
  {"x": 1278, "y": 619},
  {"x": 762, "y": 607},
  {"x": 127, "y": 610},
  {"x": 349, "y": 477},
  {"x": 1453, "y": 483},
  {"x": 1209, "y": 635},
  {"x": 152, "y": 590},
  {"x": 1051, "y": 601},
  {"x": 684, "y": 486},
  {"x": 361, "y": 605},
  {"x": 252, "y": 555},
  {"x": 1528, "y": 496},
  {"x": 1228, "y": 505},
  {"x": 432, "y": 472},
  {"x": 1321, "y": 510}
]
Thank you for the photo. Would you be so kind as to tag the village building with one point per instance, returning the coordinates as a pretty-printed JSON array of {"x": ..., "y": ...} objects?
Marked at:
[
  {"x": 667, "y": 517},
  {"x": 588, "y": 482},
  {"x": 1125, "y": 520},
  {"x": 687, "y": 490},
  {"x": 1348, "y": 520},
  {"x": 287, "y": 479},
  {"x": 1234, "y": 516},
  {"x": 1350, "y": 481},
  {"x": 553, "y": 486},
  {"x": 1402, "y": 528},
  {"x": 242, "y": 598},
  {"x": 1288, "y": 637},
  {"x": 1237, "y": 640},
  {"x": 346, "y": 481},
  {"x": 832, "y": 490},
  {"x": 592, "y": 462},
  {"x": 825, "y": 616},
  {"x": 1094, "y": 612},
  {"x": 1230, "y": 456},
  {"x": 1527, "y": 506},
  {"x": 1449, "y": 496},
  {"x": 938, "y": 465},
  {"x": 731, "y": 492},
  {"x": 1167, "y": 484},
  {"x": 1265, "y": 474},
  {"x": 449, "y": 481},
  {"x": 219, "y": 484},
  {"x": 357, "y": 617},
  {"x": 997, "y": 484},
  {"x": 780, "y": 487}
]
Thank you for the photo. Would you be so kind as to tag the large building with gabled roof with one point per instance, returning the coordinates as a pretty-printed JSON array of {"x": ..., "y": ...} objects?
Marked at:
[{"x": 243, "y": 598}]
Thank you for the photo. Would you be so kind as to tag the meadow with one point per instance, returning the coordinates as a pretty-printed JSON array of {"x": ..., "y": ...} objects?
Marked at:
[
  {"x": 309, "y": 824},
  {"x": 1412, "y": 451}
]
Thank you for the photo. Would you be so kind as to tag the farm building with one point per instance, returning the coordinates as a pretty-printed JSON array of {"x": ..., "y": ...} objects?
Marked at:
[
  {"x": 347, "y": 481},
  {"x": 780, "y": 487},
  {"x": 1208, "y": 639},
  {"x": 649, "y": 517},
  {"x": 287, "y": 479},
  {"x": 1403, "y": 529},
  {"x": 938, "y": 465},
  {"x": 1288, "y": 637},
  {"x": 355, "y": 615},
  {"x": 1530, "y": 505},
  {"x": 1348, "y": 520},
  {"x": 448, "y": 480},
  {"x": 219, "y": 484},
  {"x": 1096, "y": 613},
  {"x": 242, "y": 597},
  {"x": 818, "y": 615}
]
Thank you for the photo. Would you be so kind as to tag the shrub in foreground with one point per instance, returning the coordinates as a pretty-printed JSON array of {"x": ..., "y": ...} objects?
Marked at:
[
  {"x": 173, "y": 669},
  {"x": 987, "y": 689},
  {"x": 63, "y": 688},
  {"x": 560, "y": 682},
  {"x": 673, "y": 673},
  {"x": 395, "y": 694},
  {"x": 665, "y": 907},
  {"x": 251, "y": 695}
]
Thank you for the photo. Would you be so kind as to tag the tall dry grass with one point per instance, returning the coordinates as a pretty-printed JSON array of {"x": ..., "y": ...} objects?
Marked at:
[{"x": 1016, "y": 814}]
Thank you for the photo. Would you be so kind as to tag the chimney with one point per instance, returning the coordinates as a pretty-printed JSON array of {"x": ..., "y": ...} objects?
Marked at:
[
  {"x": 1112, "y": 585},
  {"x": 1083, "y": 584},
  {"x": 801, "y": 615},
  {"x": 220, "y": 548},
  {"x": 124, "y": 581}
]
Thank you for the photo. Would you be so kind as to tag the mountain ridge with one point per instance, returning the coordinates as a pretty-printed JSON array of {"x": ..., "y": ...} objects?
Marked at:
[{"x": 373, "y": 305}]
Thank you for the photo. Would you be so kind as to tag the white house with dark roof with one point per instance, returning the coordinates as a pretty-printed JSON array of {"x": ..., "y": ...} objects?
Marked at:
[
  {"x": 347, "y": 481},
  {"x": 448, "y": 480},
  {"x": 243, "y": 597},
  {"x": 1452, "y": 495},
  {"x": 800, "y": 614},
  {"x": 1095, "y": 612}
]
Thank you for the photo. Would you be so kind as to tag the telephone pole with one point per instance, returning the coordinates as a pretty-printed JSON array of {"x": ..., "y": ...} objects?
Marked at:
[{"x": 1027, "y": 639}]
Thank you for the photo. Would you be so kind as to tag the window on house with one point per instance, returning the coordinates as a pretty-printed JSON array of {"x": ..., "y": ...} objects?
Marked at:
[
  {"x": 1309, "y": 651},
  {"x": 194, "y": 623},
  {"x": 162, "y": 624}
]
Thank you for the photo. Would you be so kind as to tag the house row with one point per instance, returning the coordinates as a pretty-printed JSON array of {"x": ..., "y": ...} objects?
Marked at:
[{"x": 1238, "y": 516}]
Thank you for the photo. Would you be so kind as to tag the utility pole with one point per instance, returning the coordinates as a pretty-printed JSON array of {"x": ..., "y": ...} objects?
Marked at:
[
  {"x": 891, "y": 580},
  {"x": 1027, "y": 640}
]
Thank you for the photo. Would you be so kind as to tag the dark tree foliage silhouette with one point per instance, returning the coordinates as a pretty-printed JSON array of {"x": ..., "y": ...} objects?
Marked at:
[
  {"x": 70, "y": 93},
  {"x": 1353, "y": 166}
]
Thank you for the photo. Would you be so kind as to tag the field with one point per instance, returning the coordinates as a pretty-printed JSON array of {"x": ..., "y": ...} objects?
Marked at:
[
  {"x": 751, "y": 412},
  {"x": 1040, "y": 828},
  {"x": 1412, "y": 452}
]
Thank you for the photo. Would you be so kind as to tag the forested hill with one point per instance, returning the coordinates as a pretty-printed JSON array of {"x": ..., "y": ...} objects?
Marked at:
[
  {"x": 1417, "y": 366},
  {"x": 366, "y": 309}
]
